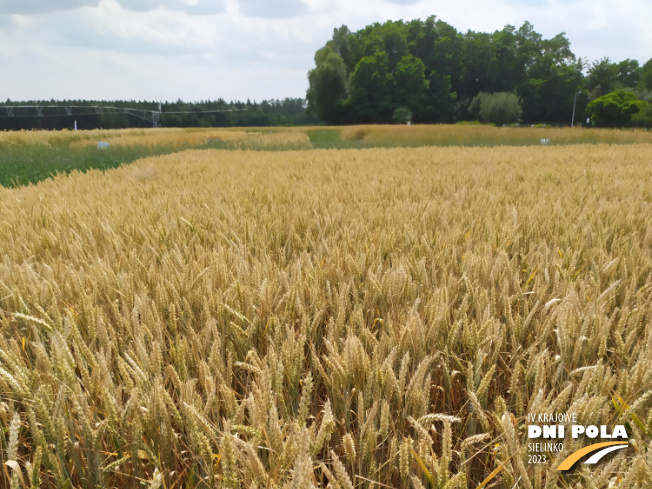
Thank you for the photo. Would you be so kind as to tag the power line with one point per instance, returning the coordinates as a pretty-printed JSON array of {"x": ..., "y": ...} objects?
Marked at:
[
  {"x": 155, "y": 115},
  {"x": 202, "y": 111}
]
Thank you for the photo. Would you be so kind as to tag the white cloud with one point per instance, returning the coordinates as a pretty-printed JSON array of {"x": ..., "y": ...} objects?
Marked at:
[
  {"x": 272, "y": 9},
  {"x": 110, "y": 27},
  {"x": 194, "y": 7},
  {"x": 27, "y": 7},
  {"x": 403, "y": 2}
]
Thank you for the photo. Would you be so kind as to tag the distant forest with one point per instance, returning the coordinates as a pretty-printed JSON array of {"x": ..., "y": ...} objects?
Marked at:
[
  {"x": 428, "y": 72},
  {"x": 94, "y": 114}
]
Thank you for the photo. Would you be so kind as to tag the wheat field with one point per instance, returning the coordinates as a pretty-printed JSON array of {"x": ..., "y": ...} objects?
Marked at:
[
  {"x": 348, "y": 319},
  {"x": 485, "y": 135},
  {"x": 121, "y": 137},
  {"x": 298, "y": 137}
]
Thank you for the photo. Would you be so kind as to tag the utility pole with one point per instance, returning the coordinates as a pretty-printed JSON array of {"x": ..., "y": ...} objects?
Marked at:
[
  {"x": 156, "y": 117},
  {"x": 574, "y": 101}
]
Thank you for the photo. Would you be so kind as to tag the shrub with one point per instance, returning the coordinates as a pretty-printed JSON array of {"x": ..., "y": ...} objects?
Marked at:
[
  {"x": 402, "y": 115},
  {"x": 498, "y": 108},
  {"x": 614, "y": 109},
  {"x": 643, "y": 117}
]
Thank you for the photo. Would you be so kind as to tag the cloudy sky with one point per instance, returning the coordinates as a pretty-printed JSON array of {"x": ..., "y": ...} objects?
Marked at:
[{"x": 257, "y": 49}]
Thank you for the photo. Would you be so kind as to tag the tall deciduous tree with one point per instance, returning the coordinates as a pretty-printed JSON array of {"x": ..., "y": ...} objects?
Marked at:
[
  {"x": 410, "y": 84},
  {"x": 552, "y": 78},
  {"x": 440, "y": 100},
  {"x": 602, "y": 77},
  {"x": 628, "y": 73},
  {"x": 328, "y": 85},
  {"x": 371, "y": 96},
  {"x": 645, "y": 82}
]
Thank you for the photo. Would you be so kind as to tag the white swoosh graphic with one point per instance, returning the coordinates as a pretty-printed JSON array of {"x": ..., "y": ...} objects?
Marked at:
[{"x": 595, "y": 458}]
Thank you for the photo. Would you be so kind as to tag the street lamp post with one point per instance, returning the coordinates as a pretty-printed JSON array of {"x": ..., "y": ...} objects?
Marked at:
[{"x": 574, "y": 101}]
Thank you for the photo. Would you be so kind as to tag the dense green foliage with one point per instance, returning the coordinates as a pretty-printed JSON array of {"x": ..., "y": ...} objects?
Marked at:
[
  {"x": 93, "y": 114},
  {"x": 643, "y": 117},
  {"x": 436, "y": 72},
  {"x": 614, "y": 109},
  {"x": 646, "y": 76},
  {"x": 402, "y": 115},
  {"x": 498, "y": 108},
  {"x": 328, "y": 84},
  {"x": 605, "y": 77}
]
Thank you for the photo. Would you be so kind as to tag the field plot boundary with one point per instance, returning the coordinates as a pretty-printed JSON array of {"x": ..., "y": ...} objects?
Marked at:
[{"x": 28, "y": 157}]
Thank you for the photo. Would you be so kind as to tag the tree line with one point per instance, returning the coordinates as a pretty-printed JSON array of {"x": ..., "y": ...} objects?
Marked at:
[
  {"x": 428, "y": 72},
  {"x": 94, "y": 114}
]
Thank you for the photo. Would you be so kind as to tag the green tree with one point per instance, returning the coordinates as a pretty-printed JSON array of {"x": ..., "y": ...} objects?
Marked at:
[
  {"x": 643, "y": 117},
  {"x": 531, "y": 93},
  {"x": 448, "y": 58},
  {"x": 477, "y": 52},
  {"x": 421, "y": 39},
  {"x": 327, "y": 85},
  {"x": 506, "y": 67},
  {"x": 614, "y": 109},
  {"x": 628, "y": 73},
  {"x": 371, "y": 83},
  {"x": 341, "y": 44},
  {"x": 410, "y": 84},
  {"x": 497, "y": 108},
  {"x": 394, "y": 35},
  {"x": 437, "y": 45},
  {"x": 602, "y": 77},
  {"x": 402, "y": 115},
  {"x": 645, "y": 82},
  {"x": 390, "y": 38},
  {"x": 440, "y": 100},
  {"x": 562, "y": 83},
  {"x": 552, "y": 77}
]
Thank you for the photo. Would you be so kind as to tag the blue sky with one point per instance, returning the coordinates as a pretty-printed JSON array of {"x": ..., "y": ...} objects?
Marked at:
[{"x": 257, "y": 49}]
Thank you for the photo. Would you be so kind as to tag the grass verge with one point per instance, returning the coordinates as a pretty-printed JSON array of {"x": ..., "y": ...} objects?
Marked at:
[{"x": 32, "y": 163}]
